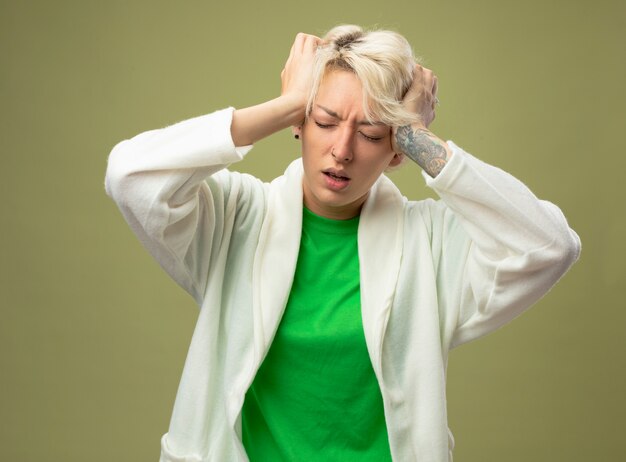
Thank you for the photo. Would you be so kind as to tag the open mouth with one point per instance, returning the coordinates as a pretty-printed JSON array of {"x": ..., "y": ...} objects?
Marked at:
[
  {"x": 336, "y": 181},
  {"x": 336, "y": 177}
]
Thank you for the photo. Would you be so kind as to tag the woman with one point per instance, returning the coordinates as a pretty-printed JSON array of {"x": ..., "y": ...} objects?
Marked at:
[{"x": 329, "y": 302}]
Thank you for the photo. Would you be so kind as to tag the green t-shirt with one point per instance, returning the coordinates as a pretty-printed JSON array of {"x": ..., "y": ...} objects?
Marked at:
[{"x": 315, "y": 397}]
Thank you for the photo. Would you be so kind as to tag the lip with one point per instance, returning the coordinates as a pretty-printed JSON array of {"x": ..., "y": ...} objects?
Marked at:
[
  {"x": 336, "y": 180},
  {"x": 336, "y": 172}
]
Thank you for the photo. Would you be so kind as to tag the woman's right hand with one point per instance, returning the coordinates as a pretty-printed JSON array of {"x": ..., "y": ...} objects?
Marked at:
[
  {"x": 257, "y": 122},
  {"x": 297, "y": 75}
]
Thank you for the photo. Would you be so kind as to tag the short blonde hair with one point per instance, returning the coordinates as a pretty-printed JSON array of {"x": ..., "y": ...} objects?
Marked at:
[{"x": 382, "y": 60}]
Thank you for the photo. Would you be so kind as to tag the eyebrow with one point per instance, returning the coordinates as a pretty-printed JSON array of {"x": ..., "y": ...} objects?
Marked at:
[{"x": 332, "y": 113}]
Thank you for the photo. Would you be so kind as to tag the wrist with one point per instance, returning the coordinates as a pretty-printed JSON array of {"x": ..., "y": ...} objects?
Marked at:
[
  {"x": 254, "y": 123},
  {"x": 422, "y": 146},
  {"x": 291, "y": 108}
]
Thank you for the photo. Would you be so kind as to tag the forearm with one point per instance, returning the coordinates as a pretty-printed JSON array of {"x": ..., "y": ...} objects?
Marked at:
[
  {"x": 254, "y": 123},
  {"x": 501, "y": 215},
  {"x": 164, "y": 168},
  {"x": 160, "y": 181},
  {"x": 423, "y": 147},
  {"x": 517, "y": 245}
]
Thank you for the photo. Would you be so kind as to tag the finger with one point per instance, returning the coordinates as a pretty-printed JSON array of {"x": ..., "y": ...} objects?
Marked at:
[
  {"x": 297, "y": 47},
  {"x": 311, "y": 43},
  {"x": 300, "y": 38},
  {"x": 429, "y": 79},
  {"x": 291, "y": 52},
  {"x": 418, "y": 72},
  {"x": 294, "y": 45},
  {"x": 416, "y": 83},
  {"x": 306, "y": 41}
]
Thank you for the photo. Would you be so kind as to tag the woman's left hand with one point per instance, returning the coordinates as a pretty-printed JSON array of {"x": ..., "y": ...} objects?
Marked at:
[
  {"x": 421, "y": 98},
  {"x": 297, "y": 75},
  {"x": 416, "y": 141}
]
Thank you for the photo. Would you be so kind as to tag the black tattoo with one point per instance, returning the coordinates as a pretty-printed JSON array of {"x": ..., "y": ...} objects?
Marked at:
[{"x": 422, "y": 147}]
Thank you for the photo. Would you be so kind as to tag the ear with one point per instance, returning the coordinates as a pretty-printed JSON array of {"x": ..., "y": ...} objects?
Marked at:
[
  {"x": 297, "y": 131},
  {"x": 397, "y": 159}
]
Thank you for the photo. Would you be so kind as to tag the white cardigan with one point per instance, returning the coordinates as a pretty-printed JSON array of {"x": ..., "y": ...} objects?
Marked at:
[{"x": 434, "y": 274}]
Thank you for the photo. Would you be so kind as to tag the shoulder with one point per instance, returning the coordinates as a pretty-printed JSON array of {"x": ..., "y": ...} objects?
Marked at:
[
  {"x": 239, "y": 193},
  {"x": 425, "y": 211},
  {"x": 435, "y": 217}
]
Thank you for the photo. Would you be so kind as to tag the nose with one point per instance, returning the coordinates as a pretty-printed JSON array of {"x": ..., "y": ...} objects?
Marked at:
[{"x": 342, "y": 147}]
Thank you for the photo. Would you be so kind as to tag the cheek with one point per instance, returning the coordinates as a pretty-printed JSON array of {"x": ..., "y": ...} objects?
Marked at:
[
  {"x": 311, "y": 159},
  {"x": 379, "y": 161},
  {"x": 313, "y": 151}
]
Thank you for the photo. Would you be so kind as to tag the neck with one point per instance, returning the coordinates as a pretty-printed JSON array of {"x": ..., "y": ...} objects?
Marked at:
[{"x": 340, "y": 212}]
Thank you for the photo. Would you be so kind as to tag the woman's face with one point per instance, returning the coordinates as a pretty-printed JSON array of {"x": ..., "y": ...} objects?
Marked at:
[{"x": 343, "y": 154}]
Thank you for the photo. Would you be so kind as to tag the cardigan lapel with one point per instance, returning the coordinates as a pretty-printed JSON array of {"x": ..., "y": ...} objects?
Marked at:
[
  {"x": 276, "y": 256},
  {"x": 380, "y": 239},
  {"x": 381, "y": 234}
]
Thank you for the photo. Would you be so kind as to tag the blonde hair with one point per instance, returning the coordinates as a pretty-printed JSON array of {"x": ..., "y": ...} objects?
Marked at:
[{"x": 382, "y": 60}]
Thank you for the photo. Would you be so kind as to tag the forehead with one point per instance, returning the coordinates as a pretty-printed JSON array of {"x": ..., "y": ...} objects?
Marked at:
[
  {"x": 341, "y": 92},
  {"x": 340, "y": 96}
]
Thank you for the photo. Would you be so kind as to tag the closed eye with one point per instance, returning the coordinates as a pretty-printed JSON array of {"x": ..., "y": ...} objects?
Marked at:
[{"x": 373, "y": 139}]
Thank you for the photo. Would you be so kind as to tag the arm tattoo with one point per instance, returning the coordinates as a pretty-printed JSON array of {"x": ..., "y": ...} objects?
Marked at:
[{"x": 422, "y": 147}]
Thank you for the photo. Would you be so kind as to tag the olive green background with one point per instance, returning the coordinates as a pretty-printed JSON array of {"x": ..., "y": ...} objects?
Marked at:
[{"x": 93, "y": 334}]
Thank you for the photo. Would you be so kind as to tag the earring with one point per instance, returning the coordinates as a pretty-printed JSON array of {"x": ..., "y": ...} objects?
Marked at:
[{"x": 296, "y": 136}]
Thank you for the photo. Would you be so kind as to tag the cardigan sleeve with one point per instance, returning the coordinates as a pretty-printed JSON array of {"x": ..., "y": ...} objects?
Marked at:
[
  {"x": 509, "y": 247},
  {"x": 171, "y": 187}
]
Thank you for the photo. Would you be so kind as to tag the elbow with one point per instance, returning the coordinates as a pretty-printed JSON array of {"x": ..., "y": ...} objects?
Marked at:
[
  {"x": 563, "y": 253},
  {"x": 565, "y": 248},
  {"x": 117, "y": 173},
  {"x": 546, "y": 264},
  {"x": 570, "y": 248}
]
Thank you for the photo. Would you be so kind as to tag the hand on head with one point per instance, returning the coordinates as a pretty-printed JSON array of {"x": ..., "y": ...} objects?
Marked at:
[
  {"x": 298, "y": 78},
  {"x": 421, "y": 98},
  {"x": 297, "y": 75}
]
